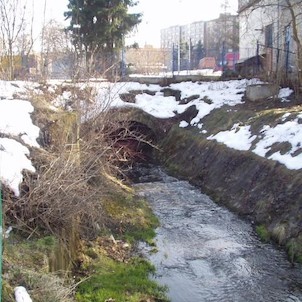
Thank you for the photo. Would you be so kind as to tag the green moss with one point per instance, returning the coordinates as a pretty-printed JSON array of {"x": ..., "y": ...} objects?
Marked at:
[
  {"x": 263, "y": 233},
  {"x": 121, "y": 282},
  {"x": 30, "y": 254},
  {"x": 132, "y": 218},
  {"x": 224, "y": 118}
]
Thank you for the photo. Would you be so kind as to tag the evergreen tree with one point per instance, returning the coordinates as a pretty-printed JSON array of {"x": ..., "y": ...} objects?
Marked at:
[
  {"x": 99, "y": 26},
  {"x": 197, "y": 54}
]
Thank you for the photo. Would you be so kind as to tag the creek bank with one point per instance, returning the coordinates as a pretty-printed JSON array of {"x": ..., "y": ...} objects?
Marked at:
[
  {"x": 262, "y": 190},
  {"x": 207, "y": 253}
]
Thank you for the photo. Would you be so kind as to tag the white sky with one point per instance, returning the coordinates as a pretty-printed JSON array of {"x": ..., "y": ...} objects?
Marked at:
[
  {"x": 15, "y": 120},
  {"x": 157, "y": 14}
]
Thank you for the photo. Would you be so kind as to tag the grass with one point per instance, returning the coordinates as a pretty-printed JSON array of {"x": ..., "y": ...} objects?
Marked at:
[
  {"x": 115, "y": 272},
  {"x": 132, "y": 217},
  {"x": 294, "y": 249},
  {"x": 224, "y": 118},
  {"x": 121, "y": 282},
  {"x": 26, "y": 263},
  {"x": 263, "y": 233}
]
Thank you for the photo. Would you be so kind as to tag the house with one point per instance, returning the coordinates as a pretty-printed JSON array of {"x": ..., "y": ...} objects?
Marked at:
[{"x": 270, "y": 31}]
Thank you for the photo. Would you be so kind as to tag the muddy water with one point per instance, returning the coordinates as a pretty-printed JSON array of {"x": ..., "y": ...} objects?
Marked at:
[{"x": 207, "y": 253}]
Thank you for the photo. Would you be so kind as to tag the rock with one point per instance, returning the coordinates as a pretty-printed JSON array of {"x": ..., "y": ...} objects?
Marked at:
[
  {"x": 258, "y": 92},
  {"x": 171, "y": 92},
  {"x": 189, "y": 99},
  {"x": 188, "y": 115},
  {"x": 128, "y": 97}
]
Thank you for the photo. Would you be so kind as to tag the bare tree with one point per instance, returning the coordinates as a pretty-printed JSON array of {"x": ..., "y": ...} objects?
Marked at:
[
  {"x": 148, "y": 60},
  {"x": 295, "y": 11},
  {"x": 57, "y": 52},
  {"x": 12, "y": 21}
]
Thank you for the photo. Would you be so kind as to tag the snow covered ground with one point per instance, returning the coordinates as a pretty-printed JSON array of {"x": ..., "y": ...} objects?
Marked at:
[{"x": 17, "y": 132}]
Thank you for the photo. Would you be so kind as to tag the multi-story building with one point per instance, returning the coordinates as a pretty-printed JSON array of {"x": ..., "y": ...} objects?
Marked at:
[
  {"x": 196, "y": 33},
  {"x": 170, "y": 36},
  {"x": 213, "y": 38},
  {"x": 221, "y": 36},
  {"x": 174, "y": 35}
]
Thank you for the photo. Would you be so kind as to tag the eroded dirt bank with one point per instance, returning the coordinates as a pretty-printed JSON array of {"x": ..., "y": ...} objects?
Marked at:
[{"x": 265, "y": 191}]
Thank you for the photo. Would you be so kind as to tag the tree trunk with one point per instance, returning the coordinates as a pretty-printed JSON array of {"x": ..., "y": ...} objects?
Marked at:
[{"x": 296, "y": 39}]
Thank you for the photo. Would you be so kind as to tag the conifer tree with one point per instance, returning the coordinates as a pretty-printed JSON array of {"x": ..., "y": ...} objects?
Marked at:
[{"x": 98, "y": 27}]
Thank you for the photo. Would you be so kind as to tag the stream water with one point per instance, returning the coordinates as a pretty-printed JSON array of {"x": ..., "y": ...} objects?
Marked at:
[{"x": 207, "y": 253}]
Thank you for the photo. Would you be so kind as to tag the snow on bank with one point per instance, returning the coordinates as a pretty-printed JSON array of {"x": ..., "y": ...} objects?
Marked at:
[
  {"x": 18, "y": 132},
  {"x": 212, "y": 95},
  {"x": 13, "y": 160},
  {"x": 16, "y": 121},
  {"x": 239, "y": 137},
  {"x": 289, "y": 132},
  {"x": 8, "y": 90}
]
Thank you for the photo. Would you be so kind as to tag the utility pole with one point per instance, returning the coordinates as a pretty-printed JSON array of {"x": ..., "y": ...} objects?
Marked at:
[{"x": 190, "y": 49}]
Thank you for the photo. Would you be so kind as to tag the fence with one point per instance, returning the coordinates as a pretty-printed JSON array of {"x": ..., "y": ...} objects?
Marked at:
[{"x": 271, "y": 61}]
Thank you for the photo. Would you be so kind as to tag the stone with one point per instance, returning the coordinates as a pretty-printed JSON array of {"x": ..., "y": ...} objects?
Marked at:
[{"x": 258, "y": 92}]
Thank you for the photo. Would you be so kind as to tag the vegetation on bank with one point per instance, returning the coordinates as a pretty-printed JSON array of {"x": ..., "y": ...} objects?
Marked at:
[
  {"x": 106, "y": 267},
  {"x": 114, "y": 268},
  {"x": 76, "y": 225}
]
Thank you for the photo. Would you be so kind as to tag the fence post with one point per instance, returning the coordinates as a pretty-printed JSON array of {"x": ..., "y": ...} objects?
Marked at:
[
  {"x": 287, "y": 43},
  {"x": 173, "y": 59},
  {"x": 257, "y": 56},
  {"x": 223, "y": 56}
]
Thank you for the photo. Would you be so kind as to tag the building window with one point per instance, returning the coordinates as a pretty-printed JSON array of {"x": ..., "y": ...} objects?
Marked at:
[{"x": 269, "y": 35}]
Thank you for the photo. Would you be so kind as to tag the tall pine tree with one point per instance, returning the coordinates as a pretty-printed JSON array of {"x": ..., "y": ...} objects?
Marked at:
[{"x": 98, "y": 26}]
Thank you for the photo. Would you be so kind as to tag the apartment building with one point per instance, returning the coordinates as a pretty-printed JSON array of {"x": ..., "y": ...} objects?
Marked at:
[
  {"x": 174, "y": 35},
  {"x": 216, "y": 37}
]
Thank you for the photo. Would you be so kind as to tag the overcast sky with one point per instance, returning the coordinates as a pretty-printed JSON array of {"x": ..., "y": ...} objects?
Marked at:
[{"x": 157, "y": 14}]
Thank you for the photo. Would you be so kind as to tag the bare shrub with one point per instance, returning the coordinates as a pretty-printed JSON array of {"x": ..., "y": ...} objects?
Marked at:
[
  {"x": 57, "y": 198},
  {"x": 65, "y": 195}
]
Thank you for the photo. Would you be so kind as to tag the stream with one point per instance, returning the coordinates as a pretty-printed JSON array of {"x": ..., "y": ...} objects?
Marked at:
[{"x": 207, "y": 253}]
